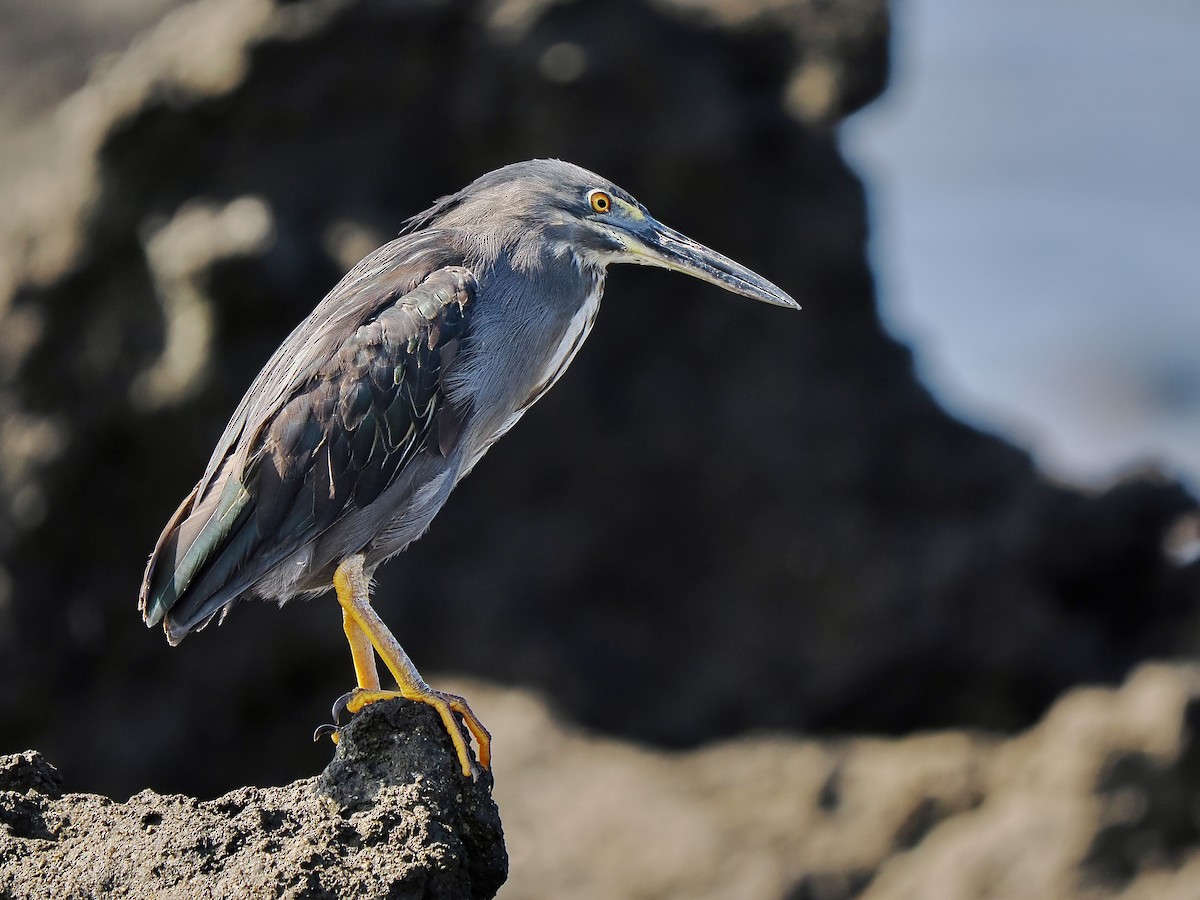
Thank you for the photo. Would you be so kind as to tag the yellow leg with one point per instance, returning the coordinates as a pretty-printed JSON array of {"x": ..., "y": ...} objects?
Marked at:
[
  {"x": 362, "y": 652},
  {"x": 360, "y": 620}
]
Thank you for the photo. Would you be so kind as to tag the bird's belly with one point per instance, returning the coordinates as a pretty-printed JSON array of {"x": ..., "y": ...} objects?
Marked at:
[
  {"x": 414, "y": 517},
  {"x": 381, "y": 530},
  {"x": 291, "y": 578}
]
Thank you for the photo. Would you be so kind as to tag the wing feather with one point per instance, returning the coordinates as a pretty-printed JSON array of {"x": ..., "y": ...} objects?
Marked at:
[{"x": 345, "y": 404}]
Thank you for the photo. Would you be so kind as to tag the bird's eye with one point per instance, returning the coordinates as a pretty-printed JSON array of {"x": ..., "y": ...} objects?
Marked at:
[{"x": 600, "y": 201}]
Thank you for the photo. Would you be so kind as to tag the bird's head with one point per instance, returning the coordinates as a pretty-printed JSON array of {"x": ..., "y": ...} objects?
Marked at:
[{"x": 555, "y": 207}]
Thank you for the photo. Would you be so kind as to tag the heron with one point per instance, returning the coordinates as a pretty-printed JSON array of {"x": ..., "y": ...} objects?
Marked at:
[{"x": 351, "y": 438}]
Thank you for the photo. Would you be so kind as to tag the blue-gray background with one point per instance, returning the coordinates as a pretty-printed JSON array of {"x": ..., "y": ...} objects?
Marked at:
[{"x": 1033, "y": 174}]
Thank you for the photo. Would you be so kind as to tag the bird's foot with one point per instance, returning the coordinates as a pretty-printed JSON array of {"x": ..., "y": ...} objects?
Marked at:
[{"x": 446, "y": 705}]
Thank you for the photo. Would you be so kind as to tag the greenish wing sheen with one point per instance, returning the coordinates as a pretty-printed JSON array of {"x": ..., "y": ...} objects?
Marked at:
[{"x": 334, "y": 443}]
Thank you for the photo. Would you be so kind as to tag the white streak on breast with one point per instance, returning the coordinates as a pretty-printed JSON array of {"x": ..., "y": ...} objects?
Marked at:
[
  {"x": 577, "y": 331},
  {"x": 559, "y": 361}
]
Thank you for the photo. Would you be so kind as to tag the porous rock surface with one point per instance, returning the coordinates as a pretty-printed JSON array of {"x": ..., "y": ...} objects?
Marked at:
[{"x": 391, "y": 816}]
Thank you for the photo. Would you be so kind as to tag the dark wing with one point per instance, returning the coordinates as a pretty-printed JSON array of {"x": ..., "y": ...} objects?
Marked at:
[{"x": 345, "y": 403}]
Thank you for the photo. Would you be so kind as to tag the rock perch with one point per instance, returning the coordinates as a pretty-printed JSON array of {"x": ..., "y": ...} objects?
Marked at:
[{"x": 390, "y": 816}]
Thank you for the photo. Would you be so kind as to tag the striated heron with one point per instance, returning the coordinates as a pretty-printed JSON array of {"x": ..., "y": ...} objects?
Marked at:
[{"x": 352, "y": 437}]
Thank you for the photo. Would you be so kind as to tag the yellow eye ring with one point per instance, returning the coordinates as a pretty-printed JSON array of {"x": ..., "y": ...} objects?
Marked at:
[{"x": 600, "y": 201}]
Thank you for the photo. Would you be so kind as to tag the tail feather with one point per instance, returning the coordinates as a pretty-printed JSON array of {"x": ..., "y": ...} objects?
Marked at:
[
  {"x": 195, "y": 533},
  {"x": 217, "y": 586},
  {"x": 242, "y": 556}
]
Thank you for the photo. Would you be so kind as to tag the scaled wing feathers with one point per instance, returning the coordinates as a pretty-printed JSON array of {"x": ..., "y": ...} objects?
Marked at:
[{"x": 339, "y": 411}]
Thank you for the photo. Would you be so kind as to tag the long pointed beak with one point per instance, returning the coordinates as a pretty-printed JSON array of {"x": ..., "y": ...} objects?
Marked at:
[{"x": 654, "y": 244}]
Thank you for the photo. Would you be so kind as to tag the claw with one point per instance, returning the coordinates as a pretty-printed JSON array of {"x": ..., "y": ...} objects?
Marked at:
[
  {"x": 342, "y": 705},
  {"x": 330, "y": 731}
]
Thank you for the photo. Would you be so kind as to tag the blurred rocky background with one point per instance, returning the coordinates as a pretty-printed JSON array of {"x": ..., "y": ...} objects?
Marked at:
[{"x": 725, "y": 521}]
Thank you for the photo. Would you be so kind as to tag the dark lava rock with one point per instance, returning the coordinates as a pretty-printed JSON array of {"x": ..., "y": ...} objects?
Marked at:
[{"x": 392, "y": 816}]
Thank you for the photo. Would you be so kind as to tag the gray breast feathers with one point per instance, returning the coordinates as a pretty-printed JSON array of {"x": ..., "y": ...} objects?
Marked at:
[{"x": 515, "y": 359}]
